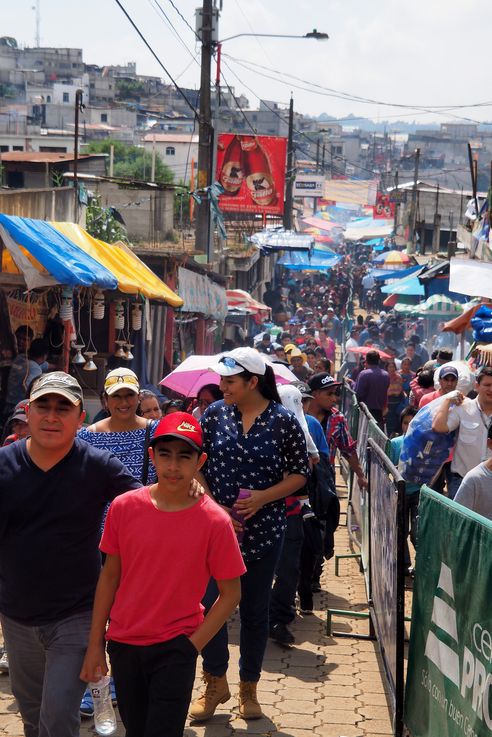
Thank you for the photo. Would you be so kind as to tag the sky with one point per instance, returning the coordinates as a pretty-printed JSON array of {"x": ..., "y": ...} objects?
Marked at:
[{"x": 427, "y": 59}]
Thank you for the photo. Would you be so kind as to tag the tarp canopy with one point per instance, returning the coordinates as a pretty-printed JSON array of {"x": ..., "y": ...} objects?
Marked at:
[
  {"x": 48, "y": 254},
  {"x": 238, "y": 298},
  {"x": 439, "y": 305},
  {"x": 316, "y": 261},
  {"x": 62, "y": 261},
  {"x": 323, "y": 224},
  {"x": 282, "y": 240},
  {"x": 385, "y": 274},
  {"x": 368, "y": 228},
  {"x": 133, "y": 276},
  {"x": 410, "y": 285}
]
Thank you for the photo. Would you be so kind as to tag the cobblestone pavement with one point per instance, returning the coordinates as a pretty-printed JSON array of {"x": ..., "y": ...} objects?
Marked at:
[{"x": 321, "y": 687}]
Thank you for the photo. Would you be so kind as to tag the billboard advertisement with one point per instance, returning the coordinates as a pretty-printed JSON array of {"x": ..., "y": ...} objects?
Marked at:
[
  {"x": 309, "y": 185},
  {"x": 252, "y": 171}
]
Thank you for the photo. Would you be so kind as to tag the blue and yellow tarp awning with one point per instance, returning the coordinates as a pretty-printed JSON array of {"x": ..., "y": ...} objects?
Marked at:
[
  {"x": 47, "y": 254},
  {"x": 133, "y": 276}
]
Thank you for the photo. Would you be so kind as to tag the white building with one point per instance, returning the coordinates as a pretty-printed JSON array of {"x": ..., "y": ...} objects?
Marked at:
[{"x": 177, "y": 150}]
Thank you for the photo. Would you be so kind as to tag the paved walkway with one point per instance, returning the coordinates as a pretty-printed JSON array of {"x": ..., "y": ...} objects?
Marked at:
[{"x": 321, "y": 687}]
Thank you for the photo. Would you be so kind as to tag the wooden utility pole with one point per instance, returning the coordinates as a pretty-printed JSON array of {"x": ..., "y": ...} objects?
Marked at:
[
  {"x": 290, "y": 170},
  {"x": 413, "y": 206},
  {"x": 202, "y": 232},
  {"x": 78, "y": 108}
]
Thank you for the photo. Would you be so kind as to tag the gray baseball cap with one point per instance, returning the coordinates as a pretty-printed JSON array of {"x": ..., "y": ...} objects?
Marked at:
[{"x": 57, "y": 382}]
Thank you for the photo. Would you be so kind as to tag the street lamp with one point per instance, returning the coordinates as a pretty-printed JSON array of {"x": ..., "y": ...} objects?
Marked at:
[{"x": 312, "y": 34}]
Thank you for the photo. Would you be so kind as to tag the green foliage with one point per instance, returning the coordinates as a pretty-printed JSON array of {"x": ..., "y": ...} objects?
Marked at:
[
  {"x": 129, "y": 89},
  {"x": 100, "y": 223},
  {"x": 181, "y": 206},
  {"x": 132, "y": 162}
]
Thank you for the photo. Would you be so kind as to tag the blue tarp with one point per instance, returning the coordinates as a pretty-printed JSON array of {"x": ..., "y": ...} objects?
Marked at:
[
  {"x": 375, "y": 242},
  {"x": 317, "y": 260},
  {"x": 409, "y": 286},
  {"x": 383, "y": 274},
  {"x": 61, "y": 258}
]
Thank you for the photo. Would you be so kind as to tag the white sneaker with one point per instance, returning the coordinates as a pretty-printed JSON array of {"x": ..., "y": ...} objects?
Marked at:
[{"x": 4, "y": 663}]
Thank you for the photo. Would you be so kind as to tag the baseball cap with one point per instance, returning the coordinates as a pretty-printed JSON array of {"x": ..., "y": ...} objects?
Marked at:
[
  {"x": 19, "y": 414},
  {"x": 303, "y": 388},
  {"x": 179, "y": 426},
  {"x": 121, "y": 378},
  {"x": 448, "y": 371},
  {"x": 57, "y": 382},
  {"x": 323, "y": 380},
  {"x": 239, "y": 360}
]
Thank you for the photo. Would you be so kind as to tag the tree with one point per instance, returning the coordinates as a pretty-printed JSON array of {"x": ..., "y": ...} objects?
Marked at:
[
  {"x": 101, "y": 223},
  {"x": 132, "y": 162}
]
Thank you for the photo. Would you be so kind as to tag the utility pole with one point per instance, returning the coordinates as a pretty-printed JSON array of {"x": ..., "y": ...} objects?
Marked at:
[
  {"x": 436, "y": 235},
  {"x": 203, "y": 242},
  {"x": 79, "y": 106},
  {"x": 290, "y": 170},
  {"x": 413, "y": 206}
]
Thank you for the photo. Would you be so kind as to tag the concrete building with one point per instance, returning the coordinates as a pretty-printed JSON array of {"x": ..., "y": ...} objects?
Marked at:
[{"x": 176, "y": 150}]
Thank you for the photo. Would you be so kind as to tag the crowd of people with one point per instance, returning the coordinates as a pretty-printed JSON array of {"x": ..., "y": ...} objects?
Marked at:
[{"x": 236, "y": 486}]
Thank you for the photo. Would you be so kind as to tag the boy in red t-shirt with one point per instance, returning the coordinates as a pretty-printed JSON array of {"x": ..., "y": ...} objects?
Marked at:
[{"x": 162, "y": 547}]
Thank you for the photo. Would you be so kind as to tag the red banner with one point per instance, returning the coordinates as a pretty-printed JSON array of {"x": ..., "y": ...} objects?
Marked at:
[
  {"x": 252, "y": 171},
  {"x": 383, "y": 207}
]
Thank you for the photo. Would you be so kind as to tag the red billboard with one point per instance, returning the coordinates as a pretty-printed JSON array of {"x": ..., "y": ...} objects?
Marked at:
[
  {"x": 252, "y": 171},
  {"x": 384, "y": 208}
]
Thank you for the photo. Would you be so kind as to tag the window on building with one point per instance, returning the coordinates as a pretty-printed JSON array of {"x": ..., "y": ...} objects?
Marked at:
[
  {"x": 15, "y": 179},
  {"x": 17, "y": 148},
  {"x": 48, "y": 98},
  {"x": 170, "y": 151},
  {"x": 66, "y": 97},
  {"x": 104, "y": 117},
  {"x": 54, "y": 149},
  {"x": 4, "y": 149}
]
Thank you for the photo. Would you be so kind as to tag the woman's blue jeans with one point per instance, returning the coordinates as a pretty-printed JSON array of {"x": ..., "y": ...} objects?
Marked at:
[{"x": 256, "y": 587}]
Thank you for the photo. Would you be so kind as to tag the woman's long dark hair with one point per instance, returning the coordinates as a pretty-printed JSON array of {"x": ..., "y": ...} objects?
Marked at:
[
  {"x": 213, "y": 389},
  {"x": 266, "y": 384}
]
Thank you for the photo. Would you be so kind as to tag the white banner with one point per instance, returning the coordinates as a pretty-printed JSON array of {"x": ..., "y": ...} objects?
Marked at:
[
  {"x": 470, "y": 277},
  {"x": 309, "y": 185}
]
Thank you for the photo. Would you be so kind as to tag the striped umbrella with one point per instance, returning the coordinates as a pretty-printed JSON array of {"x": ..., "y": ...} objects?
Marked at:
[
  {"x": 238, "y": 298},
  {"x": 439, "y": 305},
  {"x": 392, "y": 260}
]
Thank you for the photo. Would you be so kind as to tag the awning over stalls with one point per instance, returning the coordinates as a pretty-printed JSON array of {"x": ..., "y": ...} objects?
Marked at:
[
  {"x": 279, "y": 239},
  {"x": 408, "y": 286},
  {"x": 385, "y": 274},
  {"x": 463, "y": 322},
  {"x": 61, "y": 260},
  {"x": 239, "y": 299},
  {"x": 315, "y": 261},
  {"x": 368, "y": 228},
  {"x": 133, "y": 276}
]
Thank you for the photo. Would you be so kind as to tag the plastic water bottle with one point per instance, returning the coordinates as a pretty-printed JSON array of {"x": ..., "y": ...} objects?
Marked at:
[{"x": 104, "y": 716}]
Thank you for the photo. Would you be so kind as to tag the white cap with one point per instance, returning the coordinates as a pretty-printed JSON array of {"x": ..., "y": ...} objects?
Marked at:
[
  {"x": 121, "y": 378},
  {"x": 238, "y": 360}
]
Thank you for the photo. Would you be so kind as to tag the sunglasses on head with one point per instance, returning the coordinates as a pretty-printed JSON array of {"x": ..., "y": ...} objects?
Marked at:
[
  {"x": 231, "y": 362},
  {"x": 125, "y": 379}
]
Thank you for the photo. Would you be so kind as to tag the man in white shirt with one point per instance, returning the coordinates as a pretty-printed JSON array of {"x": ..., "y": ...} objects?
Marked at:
[{"x": 472, "y": 418}]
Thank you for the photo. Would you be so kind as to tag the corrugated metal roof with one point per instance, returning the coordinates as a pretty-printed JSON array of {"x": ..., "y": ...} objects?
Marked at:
[{"x": 43, "y": 157}]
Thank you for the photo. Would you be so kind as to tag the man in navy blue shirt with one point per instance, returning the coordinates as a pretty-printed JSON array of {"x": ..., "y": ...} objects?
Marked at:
[{"x": 53, "y": 492}]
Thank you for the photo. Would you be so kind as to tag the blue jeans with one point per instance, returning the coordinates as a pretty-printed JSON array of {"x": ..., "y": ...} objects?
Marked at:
[
  {"x": 455, "y": 484},
  {"x": 282, "y": 609},
  {"x": 256, "y": 587},
  {"x": 44, "y": 667}
]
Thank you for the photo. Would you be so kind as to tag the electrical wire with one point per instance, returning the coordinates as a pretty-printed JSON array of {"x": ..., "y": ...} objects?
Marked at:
[
  {"x": 157, "y": 7},
  {"x": 168, "y": 74}
]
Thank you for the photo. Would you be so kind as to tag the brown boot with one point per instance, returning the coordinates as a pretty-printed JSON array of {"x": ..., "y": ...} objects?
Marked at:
[
  {"x": 216, "y": 692},
  {"x": 249, "y": 707}
]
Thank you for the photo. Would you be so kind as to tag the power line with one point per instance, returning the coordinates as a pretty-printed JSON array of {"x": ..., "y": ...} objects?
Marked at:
[
  {"x": 168, "y": 74},
  {"x": 185, "y": 21}
]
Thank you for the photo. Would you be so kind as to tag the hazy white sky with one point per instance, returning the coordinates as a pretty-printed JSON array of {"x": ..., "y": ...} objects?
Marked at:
[{"x": 427, "y": 53}]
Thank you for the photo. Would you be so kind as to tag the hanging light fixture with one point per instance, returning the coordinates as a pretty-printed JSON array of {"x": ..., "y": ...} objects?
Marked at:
[
  {"x": 66, "y": 307},
  {"x": 90, "y": 365},
  {"x": 78, "y": 358},
  {"x": 128, "y": 352},
  {"x": 136, "y": 316},
  {"x": 119, "y": 352},
  {"x": 98, "y": 305},
  {"x": 119, "y": 315}
]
